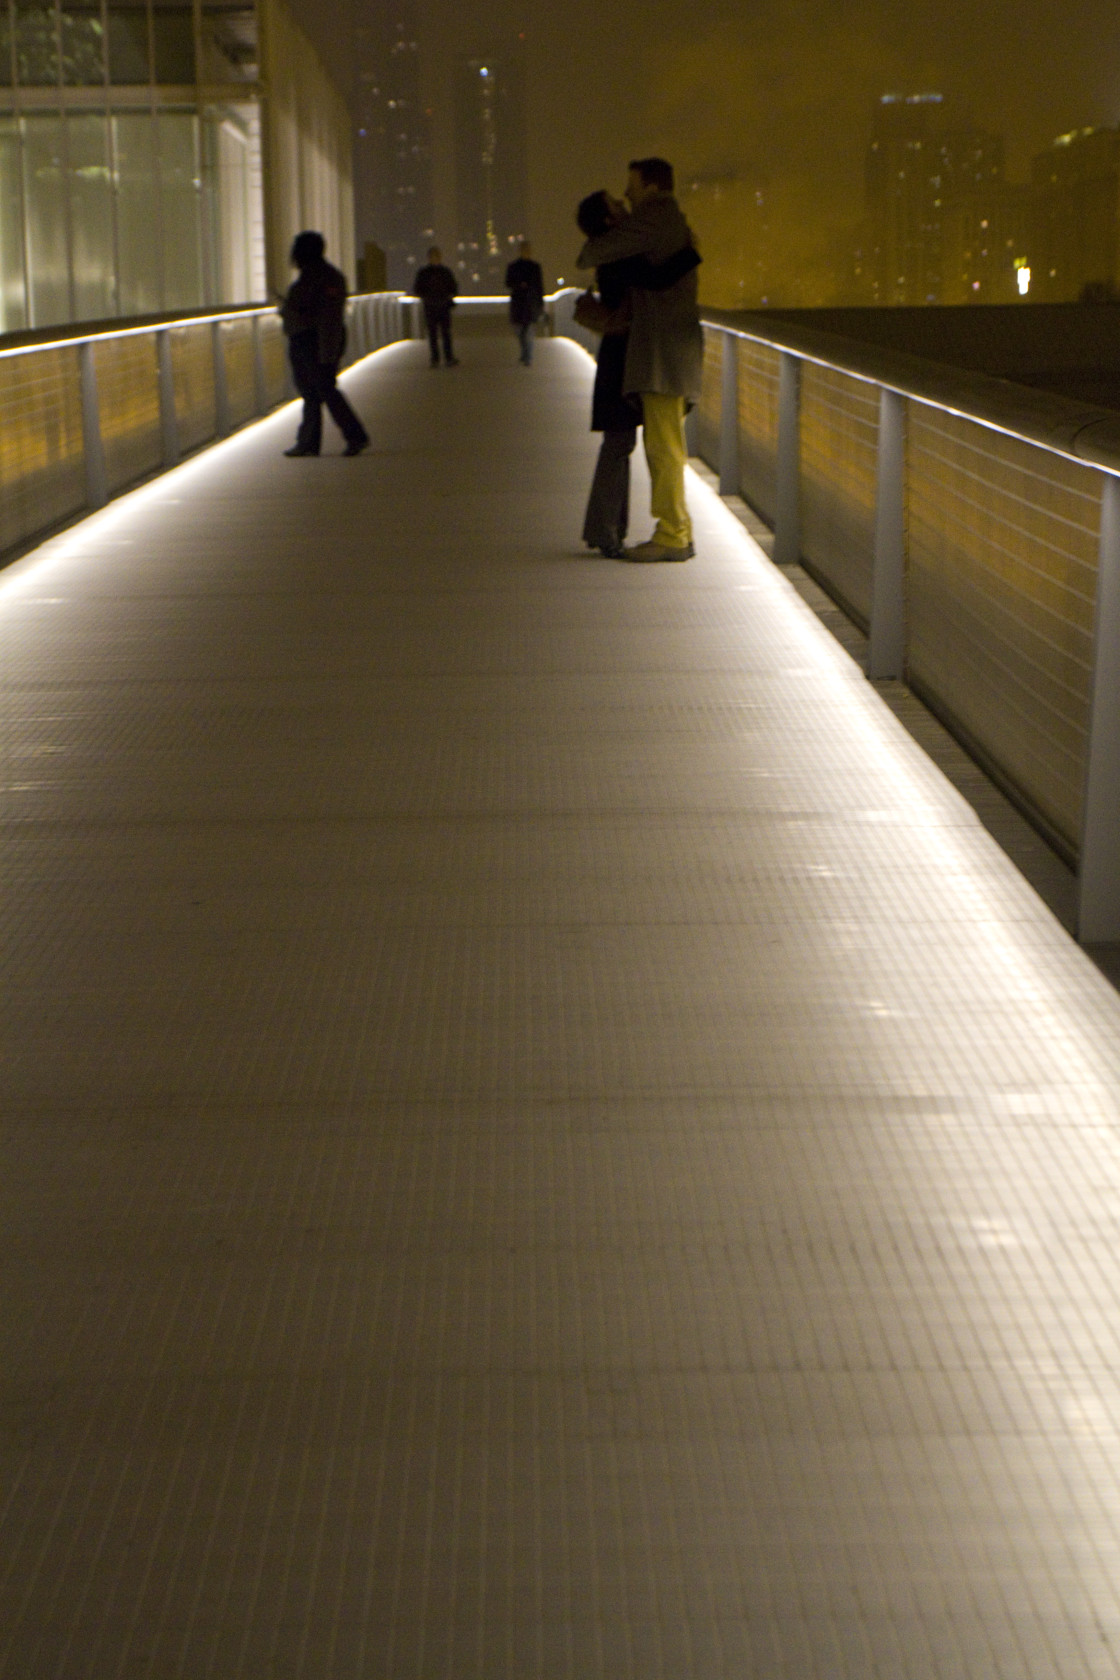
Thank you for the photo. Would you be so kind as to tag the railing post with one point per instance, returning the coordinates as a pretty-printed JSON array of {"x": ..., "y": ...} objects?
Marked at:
[
  {"x": 886, "y": 649},
  {"x": 93, "y": 448},
  {"x": 729, "y": 417},
  {"x": 221, "y": 383},
  {"x": 168, "y": 422},
  {"x": 1098, "y": 894},
  {"x": 787, "y": 512},
  {"x": 260, "y": 384}
]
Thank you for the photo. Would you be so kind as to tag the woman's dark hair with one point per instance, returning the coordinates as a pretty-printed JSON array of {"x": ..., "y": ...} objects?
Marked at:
[
  {"x": 307, "y": 248},
  {"x": 654, "y": 172},
  {"x": 594, "y": 214}
]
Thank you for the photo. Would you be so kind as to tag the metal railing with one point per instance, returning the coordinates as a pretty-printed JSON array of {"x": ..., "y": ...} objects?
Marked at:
[
  {"x": 971, "y": 527},
  {"x": 86, "y": 414}
]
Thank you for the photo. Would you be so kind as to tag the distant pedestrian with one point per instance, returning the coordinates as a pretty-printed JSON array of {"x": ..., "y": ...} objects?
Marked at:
[
  {"x": 525, "y": 284},
  {"x": 314, "y": 317},
  {"x": 437, "y": 289}
]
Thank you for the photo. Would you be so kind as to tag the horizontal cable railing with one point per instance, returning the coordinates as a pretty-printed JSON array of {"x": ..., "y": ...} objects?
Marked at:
[
  {"x": 971, "y": 526},
  {"x": 85, "y": 412}
]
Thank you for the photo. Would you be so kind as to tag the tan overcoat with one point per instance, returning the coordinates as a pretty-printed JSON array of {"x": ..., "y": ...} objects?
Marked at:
[{"x": 666, "y": 348}]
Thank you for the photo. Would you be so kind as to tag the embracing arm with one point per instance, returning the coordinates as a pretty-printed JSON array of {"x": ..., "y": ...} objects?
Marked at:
[
  {"x": 631, "y": 238},
  {"x": 657, "y": 277}
]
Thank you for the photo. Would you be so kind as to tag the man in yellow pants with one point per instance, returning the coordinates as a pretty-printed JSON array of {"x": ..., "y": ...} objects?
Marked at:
[{"x": 664, "y": 356}]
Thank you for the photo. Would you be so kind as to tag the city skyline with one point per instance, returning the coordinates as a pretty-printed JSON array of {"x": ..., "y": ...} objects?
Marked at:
[{"x": 767, "y": 95}]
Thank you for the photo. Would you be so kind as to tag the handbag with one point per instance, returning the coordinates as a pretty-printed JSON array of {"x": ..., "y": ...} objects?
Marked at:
[{"x": 591, "y": 312}]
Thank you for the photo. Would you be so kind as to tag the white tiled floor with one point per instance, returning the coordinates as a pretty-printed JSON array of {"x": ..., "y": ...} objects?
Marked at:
[{"x": 542, "y": 1140}]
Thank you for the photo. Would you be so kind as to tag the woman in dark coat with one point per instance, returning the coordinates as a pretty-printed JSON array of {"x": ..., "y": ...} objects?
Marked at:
[{"x": 617, "y": 416}]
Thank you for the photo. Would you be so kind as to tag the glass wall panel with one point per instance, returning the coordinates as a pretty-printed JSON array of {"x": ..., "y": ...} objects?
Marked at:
[
  {"x": 13, "y": 308},
  {"x": 182, "y": 210},
  {"x": 128, "y": 45},
  {"x": 229, "y": 41},
  {"x": 36, "y": 44},
  {"x": 173, "y": 43},
  {"x": 91, "y": 217},
  {"x": 5, "y": 45},
  {"x": 45, "y": 197},
  {"x": 234, "y": 213},
  {"x": 138, "y": 221},
  {"x": 83, "y": 45}
]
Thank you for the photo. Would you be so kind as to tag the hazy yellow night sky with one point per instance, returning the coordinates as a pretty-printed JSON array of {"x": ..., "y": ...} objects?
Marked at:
[{"x": 777, "y": 93}]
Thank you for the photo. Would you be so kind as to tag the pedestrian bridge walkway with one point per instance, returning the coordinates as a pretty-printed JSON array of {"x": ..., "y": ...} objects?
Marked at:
[{"x": 543, "y": 1140}]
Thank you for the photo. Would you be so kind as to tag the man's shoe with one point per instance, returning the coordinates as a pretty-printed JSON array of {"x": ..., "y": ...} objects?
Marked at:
[
  {"x": 356, "y": 447},
  {"x": 659, "y": 551},
  {"x": 453, "y": 361},
  {"x": 296, "y": 450}
]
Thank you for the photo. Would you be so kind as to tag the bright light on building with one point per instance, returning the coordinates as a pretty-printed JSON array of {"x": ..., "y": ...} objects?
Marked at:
[{"x": 1022, "y": 276}]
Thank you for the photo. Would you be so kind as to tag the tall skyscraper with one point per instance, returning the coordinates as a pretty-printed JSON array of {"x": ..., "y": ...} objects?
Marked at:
[
  {"x": 1074, "y": 239},
  {"x": 491, "y": 175},
  {"x": 393, "y": 147},
  {"x": 936, "y": 229}
]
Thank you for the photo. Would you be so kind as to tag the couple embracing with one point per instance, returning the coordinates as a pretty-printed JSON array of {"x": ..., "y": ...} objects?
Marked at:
[{"x": 649, "y": 362}]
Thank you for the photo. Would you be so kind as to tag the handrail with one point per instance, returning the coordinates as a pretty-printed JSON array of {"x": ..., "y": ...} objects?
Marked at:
[
  {"x": 979, "y": 522},
  {"x": 1081, "y": 431},
  {"x": 70, "y": 441},
  {"x": 73, "y": 332}
]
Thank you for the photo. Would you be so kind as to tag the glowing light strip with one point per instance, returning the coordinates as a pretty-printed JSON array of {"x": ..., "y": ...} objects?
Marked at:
[
  {"x": 955, "y": 849},
  {"x": 75, "y": 542}
]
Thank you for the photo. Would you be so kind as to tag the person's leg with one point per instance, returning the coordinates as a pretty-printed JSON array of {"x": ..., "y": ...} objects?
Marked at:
[
  {"x": 608, "y": 503},
  {"x": 525, "y": 334},
  {"x": 340, "y": 410},
  {"x": 445, "y": 328},
  {"x": 663, "y": 436},
  {"x": 433, "y": 339},
  {"x": 304, "y": 362}
]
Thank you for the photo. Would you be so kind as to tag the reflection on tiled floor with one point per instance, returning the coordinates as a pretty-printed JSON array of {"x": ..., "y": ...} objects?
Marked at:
[{"x": 542, "y": 1140}]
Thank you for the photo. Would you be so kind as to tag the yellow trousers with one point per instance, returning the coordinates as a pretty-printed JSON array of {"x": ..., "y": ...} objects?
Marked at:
[{"x": 663, "y": 439}]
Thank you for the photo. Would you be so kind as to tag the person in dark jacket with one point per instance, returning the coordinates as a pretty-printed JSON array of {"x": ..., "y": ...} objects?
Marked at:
[
  {"x": 525, "y": 284},
  {"x": 314, "y": 317},
  {"x": 614, "y": 412},
  {"x": 437, "y": 289}
]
